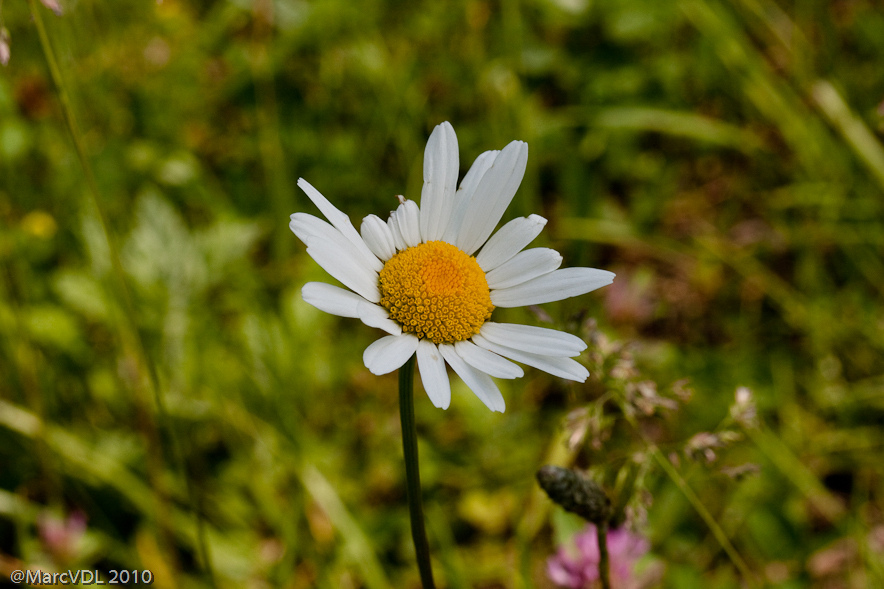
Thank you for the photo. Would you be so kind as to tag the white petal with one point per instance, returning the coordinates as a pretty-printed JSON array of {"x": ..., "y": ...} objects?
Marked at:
[
  {"x": 535, "y": 340},
  {"x": 331, "y": 299},
  {"x": 476, "y": 172},
  {"x": 554, "y": 286},
  {"x": 341, "y": 222},
  {"x": 486, "y": 361},
  {"x": 433, "y": 373},
  {"x": 440, "y": 181},
  {"x": 493, "y": 195},
  {"x": 562, "y": 367},
  {"x": 389, "y": 353},
  {"x": 408, "y": 217},
  {"x": 523, "y": 267},
  {"x": 509, "y": 241},
  {"x": 337, "y": 262},
  {"x": 466, "y": 192},
  {"x": 312, "y": 230},
  {"x": 376, "y": 316},
  {"x": 338, "y": 256},
  {"x": 393, "y": 225},
  {"x": 378, "y": 237},
  {"x": 478, "y": 382},
  {"x": 307, "y": 227}
]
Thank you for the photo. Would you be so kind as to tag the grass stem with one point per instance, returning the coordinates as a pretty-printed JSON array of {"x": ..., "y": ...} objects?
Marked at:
[
  {"x": 130, "y": 334},
  {"x": 698, "y": 506},
  {"x": 704, "y": 514},
  {"x": 412, "y": 473}
]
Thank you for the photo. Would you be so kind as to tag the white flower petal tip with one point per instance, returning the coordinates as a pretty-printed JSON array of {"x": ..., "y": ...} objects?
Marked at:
[
  {"x": 389, "y": 353},
  {"x": 378, "y": 237},
  {"x": 493, "y": 195},
  {"x": 433, "y": 374},
  {"x": 335, "y": 259},
  {"x": 393, "y": 226},
  {"x": 478, "y": 382},
  {"x": 523, "y": 267},
  {"x": 557, "y": 366},
  {"x": 408, "y": 218},
  {"x": 555, "y": 286},
  {"x": 510, "y": 240},
  {"x": 342, "y": 223},
  {"x": 534, "y": 340},
  {"x": 441, "y": 163},
  {"x": 488, "y": 362},
  {"x": 332, "y": 299},
  {"x": 301, "y": 224},
  {"x": 466, "y": 192}
]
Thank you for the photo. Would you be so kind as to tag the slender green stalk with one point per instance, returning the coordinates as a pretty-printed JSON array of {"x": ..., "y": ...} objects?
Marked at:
[
  {"x": 698, "y": 506},
  {"x": 701, "y": 510},
  {"x": 412, "y": 473},
  {"x": 131, "y": 336},
  {"x": 267, "y": 110},
  {"x": 604, "y": 561}
]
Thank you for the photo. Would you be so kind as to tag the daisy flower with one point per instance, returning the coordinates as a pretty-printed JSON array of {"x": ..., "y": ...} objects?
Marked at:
[{"x": 418, "y": 277}]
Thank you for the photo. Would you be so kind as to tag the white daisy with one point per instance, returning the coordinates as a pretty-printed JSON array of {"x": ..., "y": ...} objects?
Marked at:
[{"x": 417, "y": 278}]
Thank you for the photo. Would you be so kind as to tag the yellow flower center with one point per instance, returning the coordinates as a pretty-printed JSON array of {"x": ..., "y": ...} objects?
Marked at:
[{"x": 436, "y": 291}]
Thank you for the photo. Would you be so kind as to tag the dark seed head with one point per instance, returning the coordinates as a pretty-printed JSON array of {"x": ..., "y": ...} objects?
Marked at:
[{"x": 575, "y": 493}]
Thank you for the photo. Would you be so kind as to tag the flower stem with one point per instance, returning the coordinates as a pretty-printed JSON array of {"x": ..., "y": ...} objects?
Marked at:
[
  {"x": 412, "y": 473},
  {"x": 604, "y": 561}
]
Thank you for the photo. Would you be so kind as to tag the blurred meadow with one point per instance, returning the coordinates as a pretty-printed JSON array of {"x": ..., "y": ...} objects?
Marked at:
[{"x": 168, "y": 402}]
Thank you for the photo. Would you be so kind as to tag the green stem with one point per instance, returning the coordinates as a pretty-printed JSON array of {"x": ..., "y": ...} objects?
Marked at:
[
  {"x": 412, "y": 473},
  {"x": 707, "y": 517},
  {"x": 604, "y": 561},
  {"x": 698, "y": 506}
]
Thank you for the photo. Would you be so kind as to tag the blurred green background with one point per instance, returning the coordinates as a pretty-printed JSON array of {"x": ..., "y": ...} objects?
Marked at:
[{"x": 723, "y": 157}]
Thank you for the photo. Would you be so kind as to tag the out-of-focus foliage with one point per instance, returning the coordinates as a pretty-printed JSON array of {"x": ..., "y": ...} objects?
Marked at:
[{"x": 724, "y": 157}]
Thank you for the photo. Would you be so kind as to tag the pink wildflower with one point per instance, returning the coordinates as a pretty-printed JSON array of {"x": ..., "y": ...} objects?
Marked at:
[
  {"x": 62, "y": 537},
  {"x": 581, "y": 570}
]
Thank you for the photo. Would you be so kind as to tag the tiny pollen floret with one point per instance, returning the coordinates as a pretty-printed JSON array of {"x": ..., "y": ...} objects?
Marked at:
[{"x": 418, "y": 276}]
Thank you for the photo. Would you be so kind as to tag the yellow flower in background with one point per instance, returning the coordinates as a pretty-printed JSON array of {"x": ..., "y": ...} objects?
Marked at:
[
  {"x": 417, "y": 276},
  {"x": 39, "y": 224}
]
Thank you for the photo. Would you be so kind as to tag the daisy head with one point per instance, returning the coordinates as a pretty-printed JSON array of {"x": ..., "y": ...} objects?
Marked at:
[{"x": 418, "y": 277}]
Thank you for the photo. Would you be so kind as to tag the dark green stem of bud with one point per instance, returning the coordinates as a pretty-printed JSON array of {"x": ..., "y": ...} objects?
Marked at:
[
  {"x": 601, "y": 531},
  {"x": 575, "y": 493}
]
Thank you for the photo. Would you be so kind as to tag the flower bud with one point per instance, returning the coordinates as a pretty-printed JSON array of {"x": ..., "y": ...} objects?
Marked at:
[{"x": 575, "y": 493}]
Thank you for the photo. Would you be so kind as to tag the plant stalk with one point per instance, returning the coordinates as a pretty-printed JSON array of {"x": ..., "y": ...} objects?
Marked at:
[
  {"x": 604, "y": 561},
  {"x": 699, "y": 507},
  {"x": 412, "y": 473},
  {"x": 130, "y": 336}
]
